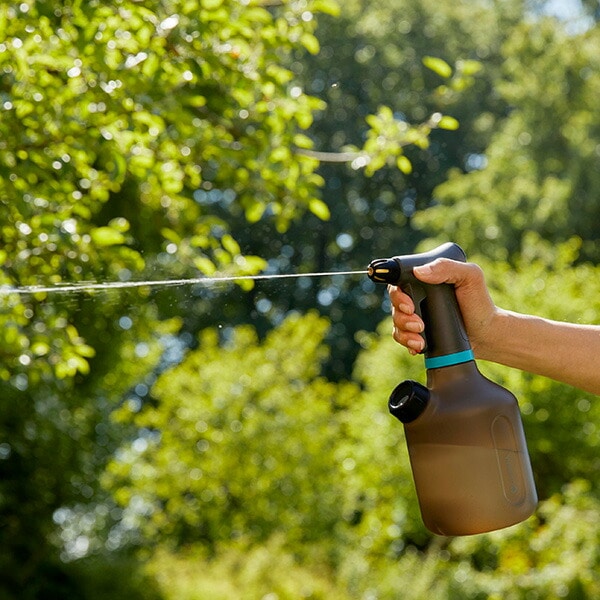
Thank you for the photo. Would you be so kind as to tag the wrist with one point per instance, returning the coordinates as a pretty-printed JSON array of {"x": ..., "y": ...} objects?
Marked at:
[{"x": 492, "y": 334}]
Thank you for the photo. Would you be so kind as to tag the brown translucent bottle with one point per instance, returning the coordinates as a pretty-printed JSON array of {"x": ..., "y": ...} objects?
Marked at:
[{"x": 464, "y": 432}]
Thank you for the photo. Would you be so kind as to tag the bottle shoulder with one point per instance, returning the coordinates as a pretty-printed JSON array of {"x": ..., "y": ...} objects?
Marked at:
[
  {"x": 463, "y": 405},
  {"x": 464, "y": 383}
]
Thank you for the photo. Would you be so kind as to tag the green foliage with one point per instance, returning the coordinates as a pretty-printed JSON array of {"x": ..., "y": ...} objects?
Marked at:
[
  {"x": 119, "y": 577},
  {"x": 390, "y": 133},
  {"x": 268, "y": 571},
  {"x": 120, "y": 125},
  {"x": 239, "y": 443},
  {"x": 553, "y": 555},
  {"x": 118, "y": 98},
  {"x": 388, "y": 136},
  {"x": 291, "y": 433},
  {"x": 541, "y": 166}
]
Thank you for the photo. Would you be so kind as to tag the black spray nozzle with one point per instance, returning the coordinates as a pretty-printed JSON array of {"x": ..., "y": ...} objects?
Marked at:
[
  {"x": 398, "y": 269},
  {"x": 384, "y": 270}
]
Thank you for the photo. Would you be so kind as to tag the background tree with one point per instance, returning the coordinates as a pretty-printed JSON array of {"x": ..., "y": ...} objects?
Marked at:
[
  {"x": 117, "y": 121},
  {"x": 240, "y": 444},
  {"x": 542, "y": 163}
]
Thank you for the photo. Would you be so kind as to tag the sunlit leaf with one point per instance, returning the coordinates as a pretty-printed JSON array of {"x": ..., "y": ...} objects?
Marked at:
[
  {"x": 438, "y": 65},
  {"x": 330, "y": 7},
  {"x": 469, "y": 67},
  {"x": 449, "y": 123},
  {"x": 310, "y": 42},
  {"x": 230, "y": 245},
  {"x": 319, "y": 209},
  {"x": 255, "y": 211},
  {"x": 404, "y": 164},
  {"x": 107, "y": 236},
  {"x": 211, "y": 4},
  {"x": 205, "y": 265}
]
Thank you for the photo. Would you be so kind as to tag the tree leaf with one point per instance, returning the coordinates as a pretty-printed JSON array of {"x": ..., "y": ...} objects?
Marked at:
[
  {"x": 329, "y": 7},
  {"x": 211, "y": 4},
  {"x": 319, "y": 208},
  {"x": 469, "y": 67},
  {"x": 310, "y": 42},
  {"x": 449, "y": 123},
  {"x": 438, "y": 65},
  {"x": 107, "y": 236},
  {"x": 204, "y": 265},
  {"x": 229, "y": 243},
  {"x": 404, "y": 164},
  {"x": 255, "y": 212}
]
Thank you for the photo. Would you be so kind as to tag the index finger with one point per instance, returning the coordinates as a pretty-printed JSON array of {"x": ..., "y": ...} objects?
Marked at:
[{"x": 401, "y": 300}]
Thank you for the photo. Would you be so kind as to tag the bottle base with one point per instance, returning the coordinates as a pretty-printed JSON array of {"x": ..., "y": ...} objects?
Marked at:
[{"x": 491, "y": 494}]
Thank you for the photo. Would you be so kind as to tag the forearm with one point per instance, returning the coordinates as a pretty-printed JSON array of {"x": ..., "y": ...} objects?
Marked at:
[{"x": 562, "y": 351}]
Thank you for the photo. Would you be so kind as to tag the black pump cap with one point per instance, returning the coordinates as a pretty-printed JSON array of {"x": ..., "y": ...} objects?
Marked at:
[{"x": 408, "y": 400}]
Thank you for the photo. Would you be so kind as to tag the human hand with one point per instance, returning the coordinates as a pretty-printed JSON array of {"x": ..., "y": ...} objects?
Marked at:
[{"x": 475, "y": 303}]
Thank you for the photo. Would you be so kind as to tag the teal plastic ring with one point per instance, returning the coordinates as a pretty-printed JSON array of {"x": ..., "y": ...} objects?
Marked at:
[{"x": 449, "y": 359}]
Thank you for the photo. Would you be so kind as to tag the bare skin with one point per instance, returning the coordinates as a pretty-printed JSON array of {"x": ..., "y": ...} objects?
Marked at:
[{"x": 564, "y": 352}]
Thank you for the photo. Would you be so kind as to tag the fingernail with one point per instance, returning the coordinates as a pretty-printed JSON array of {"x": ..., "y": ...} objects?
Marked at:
[
  {"x": 405, "y": 308},
  {"x": 416, "y": 345},
  {"x": 414, "y": 326}
]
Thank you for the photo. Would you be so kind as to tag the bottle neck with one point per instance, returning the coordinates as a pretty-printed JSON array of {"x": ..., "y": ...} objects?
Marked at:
[
  {"x": 456, "y": 374},
  {"x": 447, "y": 340}
]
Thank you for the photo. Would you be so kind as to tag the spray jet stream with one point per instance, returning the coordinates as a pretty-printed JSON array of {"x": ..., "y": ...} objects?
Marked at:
[{"x": 89, "y": 286}]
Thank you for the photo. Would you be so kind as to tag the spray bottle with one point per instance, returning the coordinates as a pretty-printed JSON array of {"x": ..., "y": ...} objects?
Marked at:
[{"x": 464, "y": 432}]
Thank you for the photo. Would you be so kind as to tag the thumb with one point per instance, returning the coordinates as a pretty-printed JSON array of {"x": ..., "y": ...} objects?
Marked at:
[
  {"x": 468, "y": 278},
  {"x": 443, "y": 270}
]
